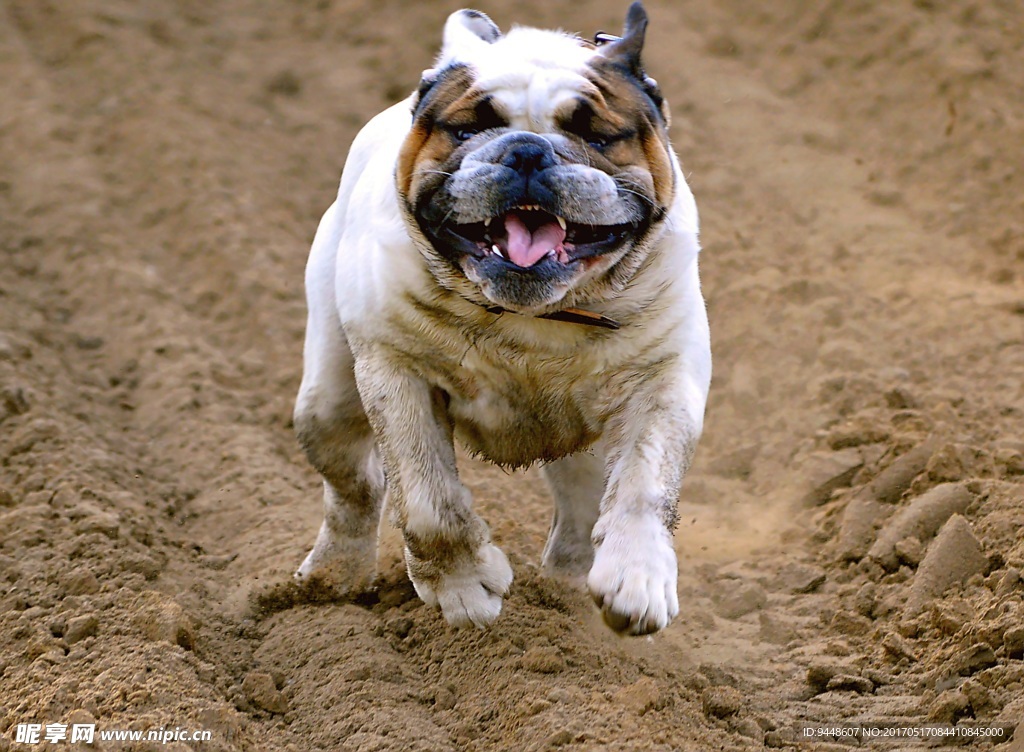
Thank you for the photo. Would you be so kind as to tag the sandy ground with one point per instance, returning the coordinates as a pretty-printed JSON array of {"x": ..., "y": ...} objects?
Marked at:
[{"x": 853, "y": 529}]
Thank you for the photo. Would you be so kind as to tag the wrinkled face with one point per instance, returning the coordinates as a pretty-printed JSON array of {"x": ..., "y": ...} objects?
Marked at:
[{"x": 535, "y": 164}]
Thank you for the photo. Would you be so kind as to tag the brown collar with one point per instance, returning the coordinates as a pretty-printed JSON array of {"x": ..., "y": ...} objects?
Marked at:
[{"x": 572, "y": 315}]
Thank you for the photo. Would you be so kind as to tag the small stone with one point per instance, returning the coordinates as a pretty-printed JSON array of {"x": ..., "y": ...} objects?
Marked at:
[
  {"x": 976, "y": 658},
  {"x": 857, "y": 527},
  {"x": 543, "y": 659},
  {"x": 909, "y": 551},
  {"x": 81, "y": 627},
  {"x": 1010, "y": 582},
  {"x": 641, "y": 696},
  {"x": 849, "y": 683},
  {"x": 260, "y": 690},
  {"x": 741, "y": 600},
  {"x": 721, "y": 702}
]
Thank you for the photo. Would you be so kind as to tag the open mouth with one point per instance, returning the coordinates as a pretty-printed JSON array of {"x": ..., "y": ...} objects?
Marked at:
[{"x": 526, "y": 235}]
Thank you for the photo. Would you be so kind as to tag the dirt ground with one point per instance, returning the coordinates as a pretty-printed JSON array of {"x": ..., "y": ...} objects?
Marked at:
[{"x": 853, "y": 530}]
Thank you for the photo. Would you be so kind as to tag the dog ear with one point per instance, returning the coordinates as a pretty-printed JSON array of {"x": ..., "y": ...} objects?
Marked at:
[
  {"x": 465, "y": 30},
  {"x": 627, "y": 48}
]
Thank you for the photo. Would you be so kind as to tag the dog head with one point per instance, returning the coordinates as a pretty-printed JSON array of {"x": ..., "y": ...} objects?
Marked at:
[{"x": 537, "y": 168}]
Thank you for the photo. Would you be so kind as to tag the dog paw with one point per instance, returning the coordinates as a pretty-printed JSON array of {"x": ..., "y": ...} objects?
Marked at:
[
  {"x": 473, "y": 592},
  {"x": 345, "y": 566},
  {"x": 633, "y": 580}
]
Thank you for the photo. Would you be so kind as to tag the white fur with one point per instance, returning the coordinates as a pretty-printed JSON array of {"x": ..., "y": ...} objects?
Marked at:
[{"x": 362, "y": 268}]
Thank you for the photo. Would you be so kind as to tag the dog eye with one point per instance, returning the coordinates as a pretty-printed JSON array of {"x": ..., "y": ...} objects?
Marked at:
[
  {"x": 466, "y": 132},
  {"x": 598, "y": 141}
]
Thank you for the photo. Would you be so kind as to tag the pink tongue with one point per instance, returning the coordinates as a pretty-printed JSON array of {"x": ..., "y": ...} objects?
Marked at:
[{"x": 526, "y": 249}]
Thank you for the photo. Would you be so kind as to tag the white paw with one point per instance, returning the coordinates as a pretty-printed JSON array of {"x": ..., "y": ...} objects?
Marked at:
[
  {"x": 345, "y": 565},
  {"x": 472, "y": 594},
  {"x": 633, "y": 580}
]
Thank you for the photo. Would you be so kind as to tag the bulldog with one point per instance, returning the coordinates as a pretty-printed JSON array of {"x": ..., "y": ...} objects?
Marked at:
[{"x": 511, "y": 262}]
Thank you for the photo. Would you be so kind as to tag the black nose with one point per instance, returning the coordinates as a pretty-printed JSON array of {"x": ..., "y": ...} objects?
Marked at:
[{"x": 530, "y": 156}]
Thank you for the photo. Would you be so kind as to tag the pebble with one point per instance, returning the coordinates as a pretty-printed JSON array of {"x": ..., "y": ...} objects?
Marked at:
[
  {"x": 921, "y": 519},
  {"x": 721, "y": 702},
  {"x": 260, "y": 690},
  {"x": 954, "y": 556},
  {"x": 641, "y": 696},
  {"x": 80, "y": 627},
  {"x": 444, "y": 698}
]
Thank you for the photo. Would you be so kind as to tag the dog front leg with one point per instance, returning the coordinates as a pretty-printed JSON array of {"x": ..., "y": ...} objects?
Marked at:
[
  {"x": 649, "y": 447},
  {"x": 448, "y": 551}
]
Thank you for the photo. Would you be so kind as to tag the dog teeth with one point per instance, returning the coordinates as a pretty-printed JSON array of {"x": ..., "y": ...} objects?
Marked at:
[
  {"x": 487, "y": 222},
  {"x": 497, "y": 251},
  {"x": 561, "y": 221}
]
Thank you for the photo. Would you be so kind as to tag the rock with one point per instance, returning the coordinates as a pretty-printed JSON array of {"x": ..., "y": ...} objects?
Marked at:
[
  {"x": 81, "y": 627},
  {"x": 889, "y": 485},
  {"x": 260, "y": 690},
  {"x": 1013, "y": 642},
  {"x": 400, "y": 626},
  {"x": 98, "y": 522},
  {"x": 641, "y": 696},
  {"x": 975, "y": 658},
  {"x": 721, "y": 702},
  {"x": 1009, "y": 582},
  {"x": 950, "y": 463},
  {"x": 909, "y": 551},
  {"x": 543, "y": 659},
  {"x": 825, "y": 472},
  {"x": 921, "y": 519},
  {"x": 857, "y": 527},
  {"x": 954, "y": 556},
  {"x": 741, "y": 600}
]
